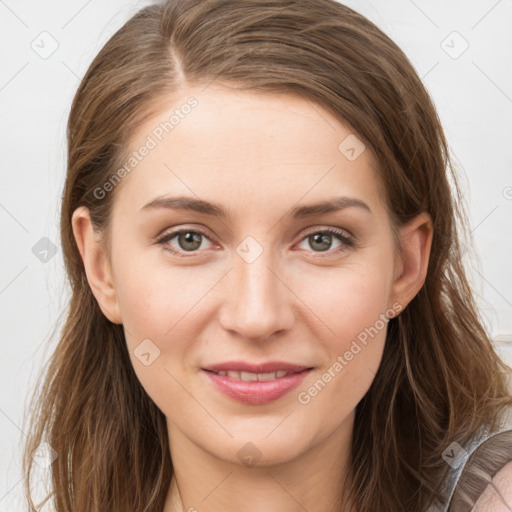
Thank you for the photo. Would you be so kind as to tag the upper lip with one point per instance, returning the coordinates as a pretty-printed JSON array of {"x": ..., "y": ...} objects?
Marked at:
[{"x": 270, "y": 366}]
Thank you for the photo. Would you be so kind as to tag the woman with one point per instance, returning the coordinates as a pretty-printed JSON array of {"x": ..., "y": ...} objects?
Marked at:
[{"x": 268, "y": 311}]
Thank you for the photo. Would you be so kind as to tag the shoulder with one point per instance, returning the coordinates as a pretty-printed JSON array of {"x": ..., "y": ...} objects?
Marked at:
[
  {"x": 472, "y": 481},
  {"x": 497, "y": 496}
]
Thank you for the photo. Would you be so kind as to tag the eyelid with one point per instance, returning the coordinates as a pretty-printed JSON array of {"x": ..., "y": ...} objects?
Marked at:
[
  {"x": 175, "y": 230},
  {"x": 321, "y": 228}
]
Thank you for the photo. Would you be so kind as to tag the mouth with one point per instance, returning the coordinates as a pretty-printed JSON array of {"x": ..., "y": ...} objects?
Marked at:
[{"x": 256, "y": 388}]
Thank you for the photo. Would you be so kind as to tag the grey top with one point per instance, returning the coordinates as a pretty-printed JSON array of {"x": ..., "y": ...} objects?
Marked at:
[{"x": 457, "y": 456}]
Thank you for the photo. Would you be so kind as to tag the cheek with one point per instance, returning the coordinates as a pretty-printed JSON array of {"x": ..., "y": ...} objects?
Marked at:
[
  {"x": 354, "y": 308},
  {"x": 162, "y": 310},
  {"x": 156, "y": 318},
  {"x": 356, "y": 350},
  {"x": 153, "y": 296},
  {"x": 348, "y": 300},
  {"x": 354, "y": 354}
]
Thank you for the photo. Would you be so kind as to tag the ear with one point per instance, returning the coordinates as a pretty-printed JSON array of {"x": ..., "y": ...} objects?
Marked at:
[
  {"x": 96, "y": 263},
  {"x": 411, "y": 266}
]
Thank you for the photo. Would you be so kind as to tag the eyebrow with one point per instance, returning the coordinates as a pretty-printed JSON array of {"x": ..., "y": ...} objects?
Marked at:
[{"x": 214, "y": 209}]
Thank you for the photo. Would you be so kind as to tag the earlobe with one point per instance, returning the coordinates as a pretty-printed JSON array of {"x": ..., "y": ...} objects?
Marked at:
[
  {"x": 411, "y": 267},
  {"x": 96, "y": 264}
]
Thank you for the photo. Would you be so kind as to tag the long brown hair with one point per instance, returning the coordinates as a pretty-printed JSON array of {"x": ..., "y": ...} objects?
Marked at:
[{"x": 439, "y": 381}]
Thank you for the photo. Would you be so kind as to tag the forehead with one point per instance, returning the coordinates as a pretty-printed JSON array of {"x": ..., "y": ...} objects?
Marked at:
[{"x": 240, "y": 146}]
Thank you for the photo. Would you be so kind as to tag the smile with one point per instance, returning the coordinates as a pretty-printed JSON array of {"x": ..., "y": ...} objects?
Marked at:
[{"x": 255, "y": 388}]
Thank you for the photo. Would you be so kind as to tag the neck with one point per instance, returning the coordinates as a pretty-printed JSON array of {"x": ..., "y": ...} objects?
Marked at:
[{"x": 315, "y": 480}]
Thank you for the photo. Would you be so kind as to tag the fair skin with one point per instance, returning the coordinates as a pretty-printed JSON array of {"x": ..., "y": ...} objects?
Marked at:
[
  {"x": 259, "y": 156},
  {"x": 497, "y": 497}
]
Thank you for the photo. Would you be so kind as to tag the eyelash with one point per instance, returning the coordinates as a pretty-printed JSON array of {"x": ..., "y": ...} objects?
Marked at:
[{"x": 347, "y": 242}]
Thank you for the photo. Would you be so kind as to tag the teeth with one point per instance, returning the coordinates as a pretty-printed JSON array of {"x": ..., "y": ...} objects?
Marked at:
[
  {"x": 267, "y": 376},
  {"x": 246, "y": 376},
  {"x": 251, "y": 377}
]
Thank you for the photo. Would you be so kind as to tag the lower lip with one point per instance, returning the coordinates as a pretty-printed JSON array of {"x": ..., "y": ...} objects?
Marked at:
[{"x": 256, "y": 392}]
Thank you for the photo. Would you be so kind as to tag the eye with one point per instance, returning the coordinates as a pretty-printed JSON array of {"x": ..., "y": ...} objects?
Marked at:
[
  {"x": 321, "y": 241},
  {"x": 189, "y": 240}
]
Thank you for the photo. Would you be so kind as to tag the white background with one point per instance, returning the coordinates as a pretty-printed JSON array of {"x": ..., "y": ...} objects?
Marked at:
[{"x": 473, "y": 94}]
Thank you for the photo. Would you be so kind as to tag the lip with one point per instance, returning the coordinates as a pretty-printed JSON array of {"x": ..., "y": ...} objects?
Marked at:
[
  {"x": 256, "y": 392},
  {"x": 242, "y": 366}
]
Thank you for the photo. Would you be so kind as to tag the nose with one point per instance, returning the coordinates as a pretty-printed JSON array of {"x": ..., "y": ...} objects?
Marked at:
[{"x": 257, "y": 302}]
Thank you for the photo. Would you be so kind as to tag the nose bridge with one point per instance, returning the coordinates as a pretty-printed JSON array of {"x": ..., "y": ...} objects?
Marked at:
[{"x": 257, "y": 303}]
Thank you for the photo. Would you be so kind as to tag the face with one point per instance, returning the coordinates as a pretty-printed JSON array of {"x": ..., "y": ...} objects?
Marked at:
[{"x": 266, "y": 280}]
